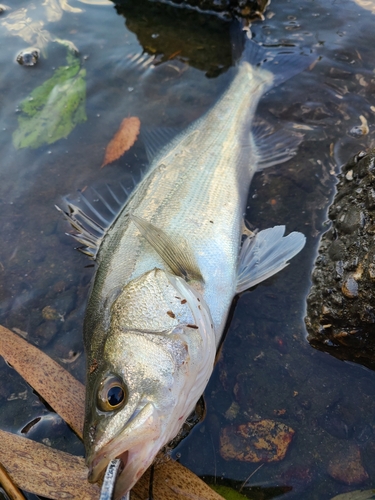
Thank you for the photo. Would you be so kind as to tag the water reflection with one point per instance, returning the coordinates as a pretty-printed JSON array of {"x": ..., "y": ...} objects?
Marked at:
[{"x": 266, "y": 368}]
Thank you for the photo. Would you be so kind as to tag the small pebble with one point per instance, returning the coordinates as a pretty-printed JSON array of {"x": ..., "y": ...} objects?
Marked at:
[
  {"x": 349, "y": 175},
  {"x": 28, "y": 57},
  {"x": 350, "y": 288},
  {"x": 347, "y": 467}
]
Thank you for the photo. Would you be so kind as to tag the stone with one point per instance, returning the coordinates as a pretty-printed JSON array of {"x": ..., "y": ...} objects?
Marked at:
[
  {"x": 340, "y": 317},
  {"x": 347, "y": 467},
  {"x": 261, "y": 441},
  {"x": 50, "y": 314}
]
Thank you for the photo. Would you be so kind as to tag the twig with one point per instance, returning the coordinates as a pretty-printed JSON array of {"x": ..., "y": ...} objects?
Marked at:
[
  {"x": 251, "y": 475},
  {"x": 9, "y": 487}
]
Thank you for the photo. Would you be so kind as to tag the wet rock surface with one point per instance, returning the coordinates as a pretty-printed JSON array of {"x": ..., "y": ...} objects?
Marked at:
[{"x": 340, "y": 307}]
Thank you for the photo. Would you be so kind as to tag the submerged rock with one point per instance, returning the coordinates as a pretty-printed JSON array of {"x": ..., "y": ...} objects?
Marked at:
[
  {"x": 263, "y": 441},
  {"x": 341, "y": 304},
  {"x": 347, "y": 467}
]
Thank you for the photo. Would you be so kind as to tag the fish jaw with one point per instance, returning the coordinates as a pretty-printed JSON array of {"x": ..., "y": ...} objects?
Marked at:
[{"x": 136, "y": 446}]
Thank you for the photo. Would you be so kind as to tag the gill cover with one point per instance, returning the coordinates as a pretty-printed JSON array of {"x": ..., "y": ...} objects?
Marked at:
[{"x": 156, "y": 361}]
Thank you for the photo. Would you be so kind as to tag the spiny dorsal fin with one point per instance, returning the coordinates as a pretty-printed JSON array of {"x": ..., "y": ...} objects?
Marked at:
[
  {"x": 92, "y": 214},
  {"x": 177, "y": 255}
]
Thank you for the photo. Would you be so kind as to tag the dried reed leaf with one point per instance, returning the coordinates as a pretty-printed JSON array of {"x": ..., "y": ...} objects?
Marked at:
[
  {"x": 57, "y": 386},
  {"x": 173, "y": 481},
  {"x": 8, "y": 485},
  {"x": 44, "y": 471},
  {"x": 123, "y": 140}
]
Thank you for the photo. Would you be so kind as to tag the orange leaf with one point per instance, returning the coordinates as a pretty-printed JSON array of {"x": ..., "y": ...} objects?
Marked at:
[
  {"x": 57, "y": 386},
  {"x": 123, "y": 139}
]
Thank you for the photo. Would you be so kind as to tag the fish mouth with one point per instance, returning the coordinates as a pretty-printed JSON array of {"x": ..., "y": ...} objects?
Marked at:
[{"x": 136, "y": 446}]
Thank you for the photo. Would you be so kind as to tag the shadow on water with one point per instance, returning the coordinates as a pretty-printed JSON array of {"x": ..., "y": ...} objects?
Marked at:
[
  {"x": 169, "y": 33},
  {"x": 266, "y": 370}
]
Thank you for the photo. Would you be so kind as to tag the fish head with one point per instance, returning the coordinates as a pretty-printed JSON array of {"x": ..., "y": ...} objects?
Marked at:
[{"x": 154, "y": 364}]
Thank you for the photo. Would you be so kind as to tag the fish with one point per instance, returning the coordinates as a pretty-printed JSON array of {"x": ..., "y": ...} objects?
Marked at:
[{"x": 170, "y": 259}]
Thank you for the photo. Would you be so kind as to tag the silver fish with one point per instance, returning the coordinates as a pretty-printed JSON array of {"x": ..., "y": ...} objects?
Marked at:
[{"x": 169, "y": 266}]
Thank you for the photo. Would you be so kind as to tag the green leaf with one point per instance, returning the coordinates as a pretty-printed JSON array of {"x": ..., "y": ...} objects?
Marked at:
[
  {"x": 356, "y": 495},
  {"x": 54, "y": 108},
  {"x": 227, "y": 492}
]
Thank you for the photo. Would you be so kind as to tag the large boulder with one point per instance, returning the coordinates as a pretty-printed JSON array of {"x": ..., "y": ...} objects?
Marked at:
[{"x": 341, "y": 305}]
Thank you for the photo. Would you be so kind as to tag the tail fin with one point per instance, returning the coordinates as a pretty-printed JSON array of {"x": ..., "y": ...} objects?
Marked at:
[{"x": 283, "y": 63}]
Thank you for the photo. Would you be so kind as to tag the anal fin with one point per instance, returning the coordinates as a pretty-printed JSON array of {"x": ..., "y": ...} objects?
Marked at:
[
  {"x": 176, "y": 254},
  {"x": 274, "y": 147},
  {"x": 265, "y": 254}
]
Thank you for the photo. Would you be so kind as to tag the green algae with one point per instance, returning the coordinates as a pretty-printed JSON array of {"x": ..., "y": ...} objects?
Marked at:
[{"x": 53, "y": 109}]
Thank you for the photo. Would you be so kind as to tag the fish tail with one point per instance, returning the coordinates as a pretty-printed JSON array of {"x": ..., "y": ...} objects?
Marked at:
[{"x": 283, "y": 63}]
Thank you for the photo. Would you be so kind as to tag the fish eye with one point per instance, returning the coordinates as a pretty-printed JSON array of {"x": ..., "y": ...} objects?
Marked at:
[{"x": 112, "y": 393}]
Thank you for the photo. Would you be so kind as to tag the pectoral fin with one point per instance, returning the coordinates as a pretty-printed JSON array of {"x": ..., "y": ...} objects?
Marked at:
[
  {"x": 265, "y": 254},
  {"x": 176, "y": 254}
]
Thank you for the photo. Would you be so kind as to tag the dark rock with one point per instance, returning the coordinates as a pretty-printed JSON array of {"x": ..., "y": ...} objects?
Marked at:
[
  {"x": 340, "y": 307},
  {"x": 363, "y": 433},
  {"x": 336, "y": 426},
  {"x": 45, "y": 333},
  {"x": 298, "y": 476}
]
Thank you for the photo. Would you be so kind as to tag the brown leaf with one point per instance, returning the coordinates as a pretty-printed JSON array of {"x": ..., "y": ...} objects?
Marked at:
[
  {"x": 54, "y": 474},
  {"x": 173, "y": 481},
  {"x": 57, "y": 386},
  {"x": 44, "y": 471},
  {"x": 123, "y": 139},
  {"x": 8, "y": 485}
]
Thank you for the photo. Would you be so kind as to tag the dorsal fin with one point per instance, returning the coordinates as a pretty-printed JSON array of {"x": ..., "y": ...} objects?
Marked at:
[
  {"x": 93, "y": 213},
  {"x": 176, "y": 254},
  {"x": 155, "y": 139}
]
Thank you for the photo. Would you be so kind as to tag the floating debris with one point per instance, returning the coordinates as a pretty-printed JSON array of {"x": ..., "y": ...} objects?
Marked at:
[
  {"x": 360, "y": 130},
  {"x": 28, "y": 57}
]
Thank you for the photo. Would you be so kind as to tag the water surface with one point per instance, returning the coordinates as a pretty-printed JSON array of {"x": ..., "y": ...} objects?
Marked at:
[{"x": 266, "y": 368}]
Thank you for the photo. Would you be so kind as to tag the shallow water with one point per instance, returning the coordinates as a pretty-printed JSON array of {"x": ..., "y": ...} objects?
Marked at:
[{"x": 266, "y": 366}]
